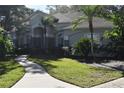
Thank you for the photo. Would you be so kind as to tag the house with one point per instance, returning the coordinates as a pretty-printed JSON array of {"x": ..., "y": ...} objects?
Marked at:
[
  {"x": 40, "y": 39},
  {"x": 35, "y": 38},
  {"x": 67, "y": 37}
]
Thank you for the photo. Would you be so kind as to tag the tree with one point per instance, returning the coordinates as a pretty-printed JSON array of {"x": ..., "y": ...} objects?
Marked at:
[
  {"x": 48, "y": 21},
  {"x": 6, "y": 10},
  {"x": 19, "y": 15},
  {"x": 12, "y": 18},
  {"x": 116, "y": 35},
  {"x": 6, "y": 45},
  {"x": 114, "y": 14},
  {"x": 14, "y": 15},
  {"x": 89, "y": 11}
]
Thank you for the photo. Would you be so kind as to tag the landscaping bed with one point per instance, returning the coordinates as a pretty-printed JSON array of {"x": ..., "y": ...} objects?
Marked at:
[
  {"x": 10, "y": 72},
  {"x": 72, "y": 71}
]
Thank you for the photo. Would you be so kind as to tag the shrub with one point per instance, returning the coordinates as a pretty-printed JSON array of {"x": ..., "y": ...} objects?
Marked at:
[
  {"x": 115, "y": 45},
  {"x": 113, "y": 35},
  {"x": 83, "y": 47},
  {"x": 6, "y": 45}
]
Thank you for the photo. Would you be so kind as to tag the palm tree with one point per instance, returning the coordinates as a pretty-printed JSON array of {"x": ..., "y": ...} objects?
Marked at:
[
  {"x": 89, "y": 11},
  {"x": 48, "y": 21}
]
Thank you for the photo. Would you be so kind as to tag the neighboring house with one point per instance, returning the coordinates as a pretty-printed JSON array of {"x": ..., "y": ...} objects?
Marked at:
[{"x": 67, "y": 37}]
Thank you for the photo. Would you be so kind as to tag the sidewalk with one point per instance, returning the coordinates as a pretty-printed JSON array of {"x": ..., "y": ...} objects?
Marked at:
[
  {"x": 37, "y": 77},
  {"x": 119, "y": 83}
]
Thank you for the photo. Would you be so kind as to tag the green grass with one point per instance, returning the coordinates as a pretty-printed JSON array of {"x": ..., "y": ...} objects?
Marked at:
[
  {"x": 74, "y": 72},
  {"x": 10, "y": 73}
]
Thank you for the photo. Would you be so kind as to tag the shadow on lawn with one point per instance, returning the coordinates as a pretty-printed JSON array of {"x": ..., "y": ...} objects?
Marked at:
[
  {"x": 78, "y": 58},
  {"x": 90, "y": 59},
  {"x": 98, "y": 60},
  {"x": 7, "y": 65},
  {"x": 95, "y": 60},
  {"x": 44, "y": 60},
  {"x": 47, "y": 57}
]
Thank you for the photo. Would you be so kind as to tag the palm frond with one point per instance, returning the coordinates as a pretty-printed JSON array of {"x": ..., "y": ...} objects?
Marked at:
[
  {"x": 90, "y": 10},
  {"x": 76, "y": 22}
]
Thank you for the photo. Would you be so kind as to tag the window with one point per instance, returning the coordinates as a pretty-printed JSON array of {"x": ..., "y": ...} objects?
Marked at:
[{"x": 95, "y": 36}]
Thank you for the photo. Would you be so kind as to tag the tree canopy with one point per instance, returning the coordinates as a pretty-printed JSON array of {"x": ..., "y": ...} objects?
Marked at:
[
  {"x": 6, "y": 45},
  {"x": 14, "y": 15},
  {"x": 89, "y": 11},
  {"x": 114, "y": 14}
]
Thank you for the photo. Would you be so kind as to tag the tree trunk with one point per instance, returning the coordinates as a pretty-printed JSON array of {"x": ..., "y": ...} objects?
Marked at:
[
  {"x": 92, "y": 41},
  {"x": 45, "y": 39},
  {"x": 44, "y": 36}
]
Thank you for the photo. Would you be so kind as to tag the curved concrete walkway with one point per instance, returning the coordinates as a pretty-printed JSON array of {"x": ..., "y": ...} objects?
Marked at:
[
  {"x": 118, "y": 83},
  {"x": 37, "y": 77}
]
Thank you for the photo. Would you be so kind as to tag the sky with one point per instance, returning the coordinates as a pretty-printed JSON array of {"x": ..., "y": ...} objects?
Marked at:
[{"x": 39, "y": 7}]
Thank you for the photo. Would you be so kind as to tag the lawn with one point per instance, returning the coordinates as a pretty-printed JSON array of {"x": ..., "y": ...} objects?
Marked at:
[
  {"x": 10, "y": 72},
  {"x": 74, "y": 72}
]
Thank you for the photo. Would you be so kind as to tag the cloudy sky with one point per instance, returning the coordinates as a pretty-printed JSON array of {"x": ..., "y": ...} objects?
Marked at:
[{"x": 38, "y": 7}]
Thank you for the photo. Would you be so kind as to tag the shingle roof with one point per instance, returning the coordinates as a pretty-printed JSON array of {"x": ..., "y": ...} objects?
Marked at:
[
  {"x": 65, "y": 21},
  {"x": 67, "y": 17}
]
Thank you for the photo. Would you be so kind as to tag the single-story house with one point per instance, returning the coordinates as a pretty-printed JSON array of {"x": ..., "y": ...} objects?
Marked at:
[{"x": 34, "y": 35}]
